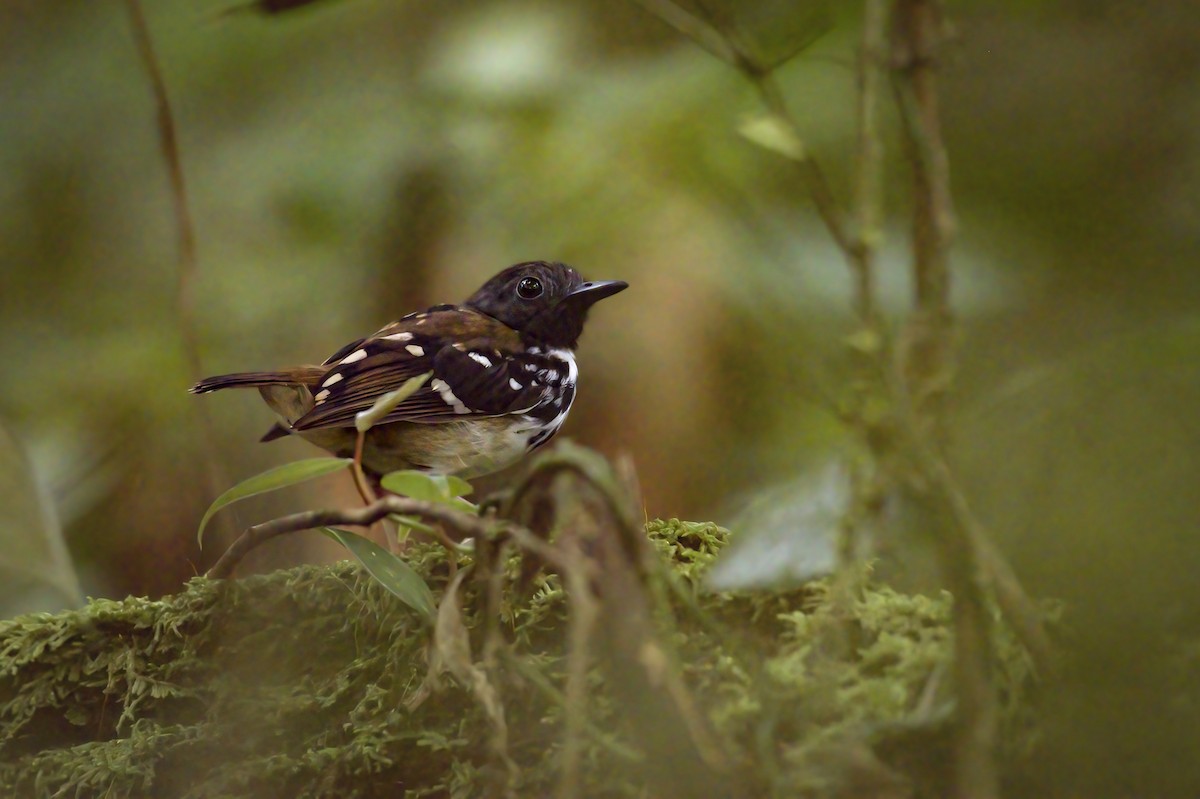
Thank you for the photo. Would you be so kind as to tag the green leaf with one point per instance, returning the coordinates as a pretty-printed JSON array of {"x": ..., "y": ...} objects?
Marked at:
[
  {"x": 392, "y": 572},
  {"x": 458, "y": 486},
  {"x": 775, "y": 134},
  {"x": 367, "y": 419},
  {"x": 792, "y": 533},
  {"x": 458, "y": 503},
  {"x": 417, "y": 485},
  {"x": 868, "y": 341},
  {"x": 270, "y": 480},
  {"x": 441, "y": 484},
  {"x": 443, "y": 489},
  {"x": 35, "y": 567}
]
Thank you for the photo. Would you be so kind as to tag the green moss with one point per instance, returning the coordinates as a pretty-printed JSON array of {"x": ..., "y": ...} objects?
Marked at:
[{"x": 298, "y": 684}]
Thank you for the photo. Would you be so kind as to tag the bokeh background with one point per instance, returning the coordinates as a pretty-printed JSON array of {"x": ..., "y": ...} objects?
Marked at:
[{"x": 358, "y": 159}]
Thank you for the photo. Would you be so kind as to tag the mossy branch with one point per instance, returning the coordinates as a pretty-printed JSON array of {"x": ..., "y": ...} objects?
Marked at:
[{"x": 298, "y": 683}]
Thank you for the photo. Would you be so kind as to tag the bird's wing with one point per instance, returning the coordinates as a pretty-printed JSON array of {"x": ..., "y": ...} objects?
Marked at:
[{"x": 479, "y": 368}]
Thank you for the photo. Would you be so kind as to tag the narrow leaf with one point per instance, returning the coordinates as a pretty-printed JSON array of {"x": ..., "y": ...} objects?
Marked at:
[
  {"x": 451, "y": 641},
  {"x": 267, "y": 7},
  {"x": 270, "y": 480},
  {"x": 776, "y": 135},
  {"x": 35, "y": 567},
  {"x": 452, "y": 653},
  {"x": 392, "y": 572},
  {"x": 367, "y": 419}
]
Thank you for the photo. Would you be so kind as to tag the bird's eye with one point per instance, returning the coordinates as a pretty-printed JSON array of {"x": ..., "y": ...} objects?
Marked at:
[{"x": 529, "y": 288}]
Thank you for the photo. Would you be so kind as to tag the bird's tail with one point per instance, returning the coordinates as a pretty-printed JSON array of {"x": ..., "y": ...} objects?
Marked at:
[{"x": 293, "y": 377}]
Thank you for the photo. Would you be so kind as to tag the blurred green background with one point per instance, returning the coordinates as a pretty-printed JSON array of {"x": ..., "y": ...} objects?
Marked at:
[{"x": 355, "y": 160}]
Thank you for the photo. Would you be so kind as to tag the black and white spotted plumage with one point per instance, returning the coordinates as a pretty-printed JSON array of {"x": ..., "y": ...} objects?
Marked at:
[
  {"x": 469, "y": 378},
  {"x": 502, "y": 377}
]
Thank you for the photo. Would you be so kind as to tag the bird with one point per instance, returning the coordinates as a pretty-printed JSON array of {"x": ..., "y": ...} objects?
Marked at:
[{"x": 501, "y": 378}]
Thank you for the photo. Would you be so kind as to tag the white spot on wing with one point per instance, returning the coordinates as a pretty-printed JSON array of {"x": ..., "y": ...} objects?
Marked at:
[
  {"x": 399, "y": 337},
  {"x": 357, "y": 355},
  {"x": 447, "y": 394},
  {"x": 514, "y": 385},
  {"x": 415, "y": 351},
  {"x": 333, "y": 378},
  {"x": 322, "y": 395},
  {"x": 480, "y": 359}
]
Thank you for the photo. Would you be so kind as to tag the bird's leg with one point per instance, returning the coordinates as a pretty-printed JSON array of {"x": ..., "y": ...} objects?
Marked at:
[
  {"x": 369, "y": 489},
  {"x": 360, "y": 478}
]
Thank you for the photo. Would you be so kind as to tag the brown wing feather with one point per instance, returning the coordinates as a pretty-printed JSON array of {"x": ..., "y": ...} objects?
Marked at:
[{"x": 393, "y": 355}]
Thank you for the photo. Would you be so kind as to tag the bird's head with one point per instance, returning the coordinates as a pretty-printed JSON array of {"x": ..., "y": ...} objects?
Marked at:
[{"x": 546, "y": 302}]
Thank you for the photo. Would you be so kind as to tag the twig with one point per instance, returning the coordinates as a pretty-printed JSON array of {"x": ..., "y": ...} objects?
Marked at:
[
  {"x": 928, "y": 340},
  {"x": 868, "y": 189},
  {"x": 168, "y": 139},
  {"x": 581, "y": 626},
  {"x": 606, "y": 559},
  {"x": 526, "y": 540},
  {"x": 994, "y": 570},
  {"x": 692, "y": 27},
  {"x": 932, "y": 287},
  {"x": 532, "y": 675},
  {"x": 722, "y": 43},
  {"x": 918, "y": 26},
  {"x": 865, "y": 474},
  {"x": 927, "y": 369},
  {"x": 463, "y": 524},
  {"x": 451, "y": 652},
  {"x": 968, "y": 558},
  {"x": 169, "y": 143},
  {"x": 811, "y": 172}
]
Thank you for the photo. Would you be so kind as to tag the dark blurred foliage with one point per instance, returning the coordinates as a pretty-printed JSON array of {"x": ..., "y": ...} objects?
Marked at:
[{"x": 350, "y": 161}]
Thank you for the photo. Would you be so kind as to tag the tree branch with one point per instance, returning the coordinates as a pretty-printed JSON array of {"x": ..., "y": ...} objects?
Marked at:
[
  {"x": 463, "y": 524},
  {"x": 721, "y": 42},
  {"x": 927, "y": 368},
  {"x": 868, "y": 189},
  {"x": 168, "y": 139}
]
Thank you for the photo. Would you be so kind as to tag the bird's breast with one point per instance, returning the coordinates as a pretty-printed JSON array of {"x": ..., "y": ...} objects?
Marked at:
[{"x": 467, "y": 447}]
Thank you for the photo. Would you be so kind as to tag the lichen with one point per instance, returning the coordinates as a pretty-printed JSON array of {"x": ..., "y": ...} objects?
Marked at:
[{"x": 300, "y": 683}]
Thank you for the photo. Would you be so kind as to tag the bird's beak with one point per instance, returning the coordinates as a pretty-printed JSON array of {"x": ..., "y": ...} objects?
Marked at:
[{"x": 595, "y": 290}]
